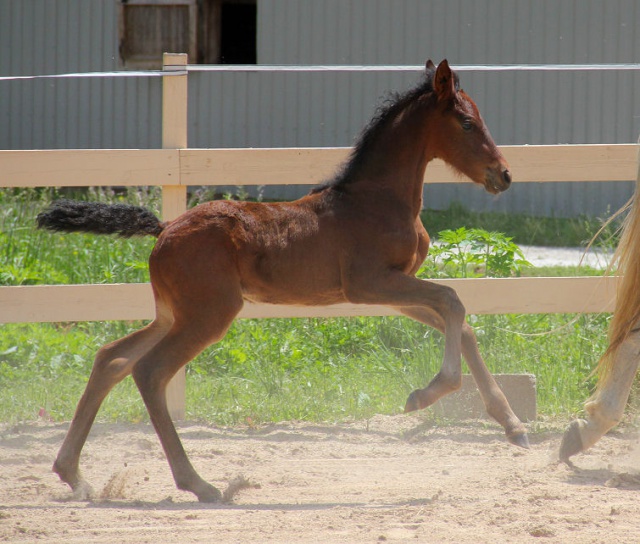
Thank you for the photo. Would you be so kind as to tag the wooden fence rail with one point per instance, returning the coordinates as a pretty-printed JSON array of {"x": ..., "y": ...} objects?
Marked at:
[
  {"x": 175, "y": 167},
  {"x": 284, "y": 166}
]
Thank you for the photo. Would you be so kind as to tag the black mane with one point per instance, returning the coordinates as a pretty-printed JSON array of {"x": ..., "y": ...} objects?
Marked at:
[{"x": 388, "y": 111}]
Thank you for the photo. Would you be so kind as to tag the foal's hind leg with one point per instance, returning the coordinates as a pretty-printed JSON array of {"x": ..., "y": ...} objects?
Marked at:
[
  {"x": 198, "y": 324},
  {"x": 112, "y": 364},
  {"x": 494, "y": 400}
]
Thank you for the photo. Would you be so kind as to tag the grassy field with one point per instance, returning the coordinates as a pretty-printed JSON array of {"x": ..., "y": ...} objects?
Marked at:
[{"x": 270, "y": 370}]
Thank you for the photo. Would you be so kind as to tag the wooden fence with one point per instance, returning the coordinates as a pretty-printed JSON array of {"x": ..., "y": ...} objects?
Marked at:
[{"x": 175, "y": 167}]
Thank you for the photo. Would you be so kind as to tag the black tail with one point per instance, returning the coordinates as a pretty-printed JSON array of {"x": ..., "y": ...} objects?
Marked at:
[{"x": 122, "y": 219}]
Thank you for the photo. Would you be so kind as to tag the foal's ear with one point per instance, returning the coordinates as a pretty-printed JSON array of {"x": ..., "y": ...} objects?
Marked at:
[
  {"x": 430, "y": 66},
  {"x": 444, "y": 83}
]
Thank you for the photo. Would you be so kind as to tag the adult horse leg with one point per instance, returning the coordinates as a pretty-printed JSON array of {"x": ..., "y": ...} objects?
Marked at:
[
  {"x": 198, "y": 323},
  {"x": 494, "y": 400},
  {"x": 113, "y": 363},
  {"x": 606, "y": 407}
]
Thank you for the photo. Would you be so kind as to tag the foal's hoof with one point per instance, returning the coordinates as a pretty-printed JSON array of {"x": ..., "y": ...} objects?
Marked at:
[
  {"x": 82, "y": 491},
  {"x": 571, "y": 442},
  {"x": 519, "y": 439},
  {"x": 209, "y": 493},
  {"x": 413, "y": 402}
]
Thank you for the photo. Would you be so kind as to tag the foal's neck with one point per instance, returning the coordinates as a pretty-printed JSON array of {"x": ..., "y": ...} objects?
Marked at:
[{"x": 393, "y": 165}]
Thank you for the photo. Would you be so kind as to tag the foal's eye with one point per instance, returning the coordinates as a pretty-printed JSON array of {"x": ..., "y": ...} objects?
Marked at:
[{"x": 467, "y": 125}]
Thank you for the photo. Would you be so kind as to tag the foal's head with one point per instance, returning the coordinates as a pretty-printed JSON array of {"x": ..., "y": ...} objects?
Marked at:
[{"x": 461, "y": 138}]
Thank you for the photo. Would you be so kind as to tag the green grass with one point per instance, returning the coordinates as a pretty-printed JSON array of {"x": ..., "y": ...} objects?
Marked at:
[
  {"x": 271, "y": 369},
  {"x": 308, "y": 369}
]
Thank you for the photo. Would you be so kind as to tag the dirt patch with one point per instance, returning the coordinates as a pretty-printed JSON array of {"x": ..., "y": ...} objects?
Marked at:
[{"x": 389, "y": 479}]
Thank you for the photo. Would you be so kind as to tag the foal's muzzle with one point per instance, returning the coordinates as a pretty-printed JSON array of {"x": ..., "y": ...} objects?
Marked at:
[{"x": 497, "y": 180}]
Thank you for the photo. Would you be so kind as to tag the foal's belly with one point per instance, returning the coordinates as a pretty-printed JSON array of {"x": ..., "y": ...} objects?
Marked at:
[{"x": 285, "y": 278}]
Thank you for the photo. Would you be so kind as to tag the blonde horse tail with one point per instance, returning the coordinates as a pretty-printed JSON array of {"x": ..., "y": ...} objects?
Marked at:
[{"x": 627, "y": 262}]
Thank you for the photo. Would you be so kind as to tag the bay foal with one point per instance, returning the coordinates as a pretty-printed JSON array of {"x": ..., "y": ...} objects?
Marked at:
[{"x": 357, "y": 238}]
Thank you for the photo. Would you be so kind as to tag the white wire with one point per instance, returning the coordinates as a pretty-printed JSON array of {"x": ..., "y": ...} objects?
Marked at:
[
  {"x": 251, "y": 68},
  {"x": 398, "y": 68},
  {"x": 149, "y": 73}
]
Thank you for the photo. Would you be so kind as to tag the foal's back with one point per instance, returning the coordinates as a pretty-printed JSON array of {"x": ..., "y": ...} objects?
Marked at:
[{"x": 288, "y": 252}]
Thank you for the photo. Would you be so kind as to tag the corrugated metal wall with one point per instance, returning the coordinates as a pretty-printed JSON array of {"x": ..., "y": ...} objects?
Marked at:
[
  {"x": 465, "y": 31},
  {"x": 87, "y": 113},
  {"x": 238, "y": 109},
  {"x": 57, "y": 36},
  {"x": 40, "y": 37}
]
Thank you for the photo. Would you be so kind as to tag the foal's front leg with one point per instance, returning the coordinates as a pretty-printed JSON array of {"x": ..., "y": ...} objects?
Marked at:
[
  {"x": 425, "y": 298},
  {"x": 440, "y": 307},
  {"x": 449, "y": 378},
  {"x": 494, "y": 400}
]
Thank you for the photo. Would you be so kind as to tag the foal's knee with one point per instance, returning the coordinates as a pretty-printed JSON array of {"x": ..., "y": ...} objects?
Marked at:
[{"x": 452, "y": 307}]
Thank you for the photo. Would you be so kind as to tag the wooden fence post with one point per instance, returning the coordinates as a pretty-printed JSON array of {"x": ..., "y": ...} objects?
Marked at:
[{"x": 174, "y": 197}]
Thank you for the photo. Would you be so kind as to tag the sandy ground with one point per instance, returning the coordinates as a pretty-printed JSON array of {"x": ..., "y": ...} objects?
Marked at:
[{"x": 388, "y": 479}]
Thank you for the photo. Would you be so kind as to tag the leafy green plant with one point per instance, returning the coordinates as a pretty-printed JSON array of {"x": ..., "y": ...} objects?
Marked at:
[
  {"x": 473, "y": 253},
  {"x": 527, "y": 229}
]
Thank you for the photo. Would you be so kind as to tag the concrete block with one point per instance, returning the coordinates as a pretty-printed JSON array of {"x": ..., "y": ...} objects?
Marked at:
[{"x": 520, "y": 390}]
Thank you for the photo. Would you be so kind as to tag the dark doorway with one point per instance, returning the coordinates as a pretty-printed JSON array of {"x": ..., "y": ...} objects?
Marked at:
[{"x": 238, "y": 33}]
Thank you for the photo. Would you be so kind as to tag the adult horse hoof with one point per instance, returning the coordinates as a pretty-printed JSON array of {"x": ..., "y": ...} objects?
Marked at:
[
  {"x": 519, "y": 439},
  {"x": 571, "y": 442}
]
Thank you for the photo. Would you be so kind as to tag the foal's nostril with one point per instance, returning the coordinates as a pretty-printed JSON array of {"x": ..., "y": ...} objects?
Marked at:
[{"x": 506, "y": 176}]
